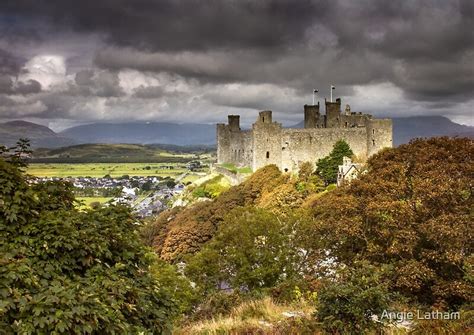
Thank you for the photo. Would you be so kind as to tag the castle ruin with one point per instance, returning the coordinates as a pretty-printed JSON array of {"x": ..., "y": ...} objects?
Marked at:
[{"x": 269, "y": 143}]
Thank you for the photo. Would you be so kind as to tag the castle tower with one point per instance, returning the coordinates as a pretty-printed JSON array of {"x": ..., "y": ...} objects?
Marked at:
[
  {"x": 234, "y": 122},
  {"x": 333, "y": 113},
  {"x": 265, "y": 117},
  {"x": 311, "y": 116}
]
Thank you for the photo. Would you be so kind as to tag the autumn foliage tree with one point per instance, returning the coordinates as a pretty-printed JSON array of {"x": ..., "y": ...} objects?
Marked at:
[{"x": 412, "y": 212}]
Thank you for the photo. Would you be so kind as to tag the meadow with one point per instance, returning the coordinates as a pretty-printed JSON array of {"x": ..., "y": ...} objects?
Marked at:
[{"x": 96, "y": 170}]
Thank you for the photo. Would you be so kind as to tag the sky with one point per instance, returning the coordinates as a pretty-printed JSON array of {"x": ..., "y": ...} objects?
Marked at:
[{"x": 64, "y": 63}]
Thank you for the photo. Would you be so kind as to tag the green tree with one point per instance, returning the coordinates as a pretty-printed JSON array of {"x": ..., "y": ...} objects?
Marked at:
[
  {"x": 328, "y": 166},
  {"x": 251, "y": 251},
  {"x": 68, "y": 271},
  {"x": 347, "y": 302}
]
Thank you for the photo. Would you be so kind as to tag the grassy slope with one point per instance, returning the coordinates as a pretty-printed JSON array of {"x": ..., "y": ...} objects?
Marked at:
[{"x": 257, "y": 317}]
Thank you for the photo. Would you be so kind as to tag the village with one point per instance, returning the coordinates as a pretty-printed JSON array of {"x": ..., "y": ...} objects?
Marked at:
[{"x": 146, "y": 195}]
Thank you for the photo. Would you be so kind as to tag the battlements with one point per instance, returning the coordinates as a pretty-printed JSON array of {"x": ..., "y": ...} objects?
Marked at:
[{"x": 269, "y": 143}]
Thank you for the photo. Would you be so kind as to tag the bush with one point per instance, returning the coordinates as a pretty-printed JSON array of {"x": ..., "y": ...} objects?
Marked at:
[
  {"x": 250, "y": 251},
  {"x": 346, "y": 304},
  {"x": 69, "y": 271}
]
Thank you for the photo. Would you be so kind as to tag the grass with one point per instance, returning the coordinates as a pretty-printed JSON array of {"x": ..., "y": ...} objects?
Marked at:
[
  {"x": 262, "y": 316},
  {"x": 88, "y": 200},
  {"x": 232, "y": 168},
  {"x": 191, "y": 177},
  {"x": 102, "y": 169}
]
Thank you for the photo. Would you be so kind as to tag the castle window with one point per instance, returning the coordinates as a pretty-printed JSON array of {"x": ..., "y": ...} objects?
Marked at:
[
  {"x": 346, "y": 124},
  {"x": 373, "y": 131},
  {"x": 373, "y": 143},
  {"x": 286, "y": 169},
  {"x": 268, "y": 154},
  {"x": 263, "y": 119}
]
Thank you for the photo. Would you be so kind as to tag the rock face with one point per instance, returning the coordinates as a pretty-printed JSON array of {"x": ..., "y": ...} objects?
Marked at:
[{"x": 269, "y": 143}]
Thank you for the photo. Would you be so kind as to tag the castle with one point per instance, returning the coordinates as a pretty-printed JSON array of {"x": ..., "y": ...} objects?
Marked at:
[{"x": 269, "y": 143}]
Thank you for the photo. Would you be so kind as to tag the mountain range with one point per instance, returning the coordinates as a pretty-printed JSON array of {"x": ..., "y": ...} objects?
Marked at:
[{"x": 187, "y": 134}]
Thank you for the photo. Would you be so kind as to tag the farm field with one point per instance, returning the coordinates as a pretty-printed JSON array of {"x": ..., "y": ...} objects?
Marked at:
[
  {"x": 88, "y": 200},
  {"x": 96, "y": 170}
]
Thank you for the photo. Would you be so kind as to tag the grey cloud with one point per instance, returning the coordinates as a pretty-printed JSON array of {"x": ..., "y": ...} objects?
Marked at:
[
  {"x": 150, "y": 92},
  {"x": 9, "y": 63},
  {"x": 7, "y": 86},
  {"x": 84, "y": 78},
  {"x": 95, "y": 83},
  {"x": 29, "y": 87}
]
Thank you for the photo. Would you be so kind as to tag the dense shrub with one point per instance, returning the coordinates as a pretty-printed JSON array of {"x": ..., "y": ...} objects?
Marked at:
[
  {"x": 412, "y": 211},
  {"x": 69, "y": 271},
  {"x": 347, "y": 302},
  {"x": 251, "y": 250}
]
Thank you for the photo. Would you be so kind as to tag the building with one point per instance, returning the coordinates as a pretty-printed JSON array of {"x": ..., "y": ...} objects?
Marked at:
[
  {"x": 269, "y": 143},
  {"x": 348, "y": 171}
]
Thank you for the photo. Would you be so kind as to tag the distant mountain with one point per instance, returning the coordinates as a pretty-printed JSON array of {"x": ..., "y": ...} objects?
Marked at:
[
  {"x": 39, "y": 136},
  {"x": 193, "y": 134},
  {"x": 407, "y": 128},
  {"x": 144, "y": 133}
]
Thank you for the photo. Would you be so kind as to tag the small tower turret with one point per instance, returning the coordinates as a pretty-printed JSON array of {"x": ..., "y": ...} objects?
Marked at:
[
  {"x": 311, "y": 116},
  {"x": 265, "y": 117}
]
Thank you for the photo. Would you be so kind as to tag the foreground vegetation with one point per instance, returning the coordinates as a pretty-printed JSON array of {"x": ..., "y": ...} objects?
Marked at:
[
  {"x": 78, "y": 272},
  {"x": 277, "y": 254},
  {"x": 397, "y": 239}
]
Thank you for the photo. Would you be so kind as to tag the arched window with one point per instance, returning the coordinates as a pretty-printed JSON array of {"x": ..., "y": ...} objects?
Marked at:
[{"x": 268, "y": 154}]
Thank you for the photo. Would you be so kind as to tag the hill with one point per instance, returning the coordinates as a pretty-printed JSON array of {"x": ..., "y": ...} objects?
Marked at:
[
  {"x": 143, "y": 133},
  {"x": 40, "y": 136},
  {"x": 110, "y": 153},
  {"x": 404, "y": 129},
  {"x": 407, "y": 128}
]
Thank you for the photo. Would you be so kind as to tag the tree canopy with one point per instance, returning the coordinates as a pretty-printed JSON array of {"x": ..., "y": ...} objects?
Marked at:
[
  {"x": 68, "y": 271},
  {"x": 412, "y": 211},
  {"x": 327, "y": 167}
]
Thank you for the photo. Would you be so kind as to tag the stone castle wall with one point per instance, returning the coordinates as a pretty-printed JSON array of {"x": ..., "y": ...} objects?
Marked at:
[{"x": 269, "y": 143}]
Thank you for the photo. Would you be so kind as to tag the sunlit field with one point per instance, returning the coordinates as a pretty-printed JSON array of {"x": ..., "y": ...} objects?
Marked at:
[{"x": 103, "y": 169}]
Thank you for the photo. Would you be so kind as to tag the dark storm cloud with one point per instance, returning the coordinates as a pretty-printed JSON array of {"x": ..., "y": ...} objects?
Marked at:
[
  {"x": 424, "y": 47},
  {"x": 7, "y": 86},
  {"x": 9, "y": 63},
  {"x": 175, "y": 24}
]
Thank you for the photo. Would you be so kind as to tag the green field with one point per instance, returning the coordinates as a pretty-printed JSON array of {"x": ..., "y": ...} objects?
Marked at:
[
  {"x": 88, "y": 200},
  {"x": 102, "y": 169}
]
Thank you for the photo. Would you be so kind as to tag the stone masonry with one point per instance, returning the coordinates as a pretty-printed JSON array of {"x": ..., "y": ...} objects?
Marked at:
[{"x": 269, "y": 143}]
